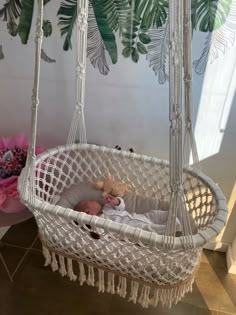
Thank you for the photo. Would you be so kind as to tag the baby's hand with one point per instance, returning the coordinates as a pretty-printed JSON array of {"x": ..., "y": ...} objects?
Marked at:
[{"x": 112, "y": 200}]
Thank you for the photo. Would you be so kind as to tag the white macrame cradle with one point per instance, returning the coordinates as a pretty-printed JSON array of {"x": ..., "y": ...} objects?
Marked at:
[{"x": 150, "y": 268}]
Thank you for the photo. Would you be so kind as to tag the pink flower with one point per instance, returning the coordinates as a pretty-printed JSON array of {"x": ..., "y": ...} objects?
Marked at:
[
  {"x": 3, "y": 197},
  {"x": 9, "y": 197},
  {"x": 20, "y": 140}
]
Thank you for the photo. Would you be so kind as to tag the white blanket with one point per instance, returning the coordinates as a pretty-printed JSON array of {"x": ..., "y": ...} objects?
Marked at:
[
  {"x": 152, "y": 221},
  {"x": 135, "y": 214}
]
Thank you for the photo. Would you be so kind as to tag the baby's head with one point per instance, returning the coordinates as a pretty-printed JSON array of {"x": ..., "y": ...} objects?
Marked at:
[{"x": 90, "y": 207}]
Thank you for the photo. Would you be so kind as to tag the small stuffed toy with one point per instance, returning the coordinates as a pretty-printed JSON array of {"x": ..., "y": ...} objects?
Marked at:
[
  {"x": 112, "y": 193},
  {"x": 112, "y": 187}
]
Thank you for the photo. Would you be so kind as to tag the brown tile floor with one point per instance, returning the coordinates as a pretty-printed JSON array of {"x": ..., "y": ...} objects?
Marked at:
[{"x": 38, "y": 291}]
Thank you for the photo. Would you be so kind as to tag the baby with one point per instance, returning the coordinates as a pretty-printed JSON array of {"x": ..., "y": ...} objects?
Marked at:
[{"x": 114, "y": 209}]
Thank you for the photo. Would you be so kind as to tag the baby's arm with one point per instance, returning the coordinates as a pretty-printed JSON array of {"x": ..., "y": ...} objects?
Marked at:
[
  {"x": 121, "y": 205},
  {"x": 117, "y": 202}
]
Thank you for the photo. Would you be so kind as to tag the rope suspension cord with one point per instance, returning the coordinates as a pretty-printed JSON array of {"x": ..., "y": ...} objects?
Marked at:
[
  {"x": 29, "y": 175},
  {"x": 177, "y": 201},
  {"x": 176, "y": 10},
  {"x": 131, "y": 253},
  {"x": 81, "y": 56},
  {"x": 189, "y": 139}
]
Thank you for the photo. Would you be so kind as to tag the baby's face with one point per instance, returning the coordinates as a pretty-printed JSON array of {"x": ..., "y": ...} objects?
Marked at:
[{"x": 89, "y": 207}]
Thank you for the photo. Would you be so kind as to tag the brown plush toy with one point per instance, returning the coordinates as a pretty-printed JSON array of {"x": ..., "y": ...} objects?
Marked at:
[{"x": 112, "y": 187}]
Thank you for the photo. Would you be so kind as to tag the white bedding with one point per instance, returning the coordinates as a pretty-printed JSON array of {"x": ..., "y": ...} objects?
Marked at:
[
  {"x": 151, "y": 221},
  {"x": 140, "y": 212}
]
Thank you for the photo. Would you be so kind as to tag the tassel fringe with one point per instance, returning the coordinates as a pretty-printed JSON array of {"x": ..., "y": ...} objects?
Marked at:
[
  {"x": 121, "y": 288},
  {"x": 54, "y": 263},
  {"x": 82, "y": 275},
  {"x": 143, "y": 294},
  {"x": 101, "y": 281},
  {"x": 62, "y": 268},
  {"x": 111, "y": 283},
  {"x": 71, "y": 274},
  {"x": 47, "y": 256},
  {"x": 91, "y": 278},
  {"x": 134, "y": 292}
]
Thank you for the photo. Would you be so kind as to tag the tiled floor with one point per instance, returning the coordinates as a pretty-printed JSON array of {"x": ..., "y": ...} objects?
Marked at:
[{"x": 36, "y": 290}]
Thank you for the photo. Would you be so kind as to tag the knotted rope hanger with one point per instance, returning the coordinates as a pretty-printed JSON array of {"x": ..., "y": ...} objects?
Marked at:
[
  {"x": 180, "y": 32},
  {"x": 180, "y": 41},
  {"x": 78, "y": 120}
]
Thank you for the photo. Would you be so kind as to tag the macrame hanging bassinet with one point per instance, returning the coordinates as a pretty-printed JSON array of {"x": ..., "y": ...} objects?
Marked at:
[{"x": 148, "y": 267}]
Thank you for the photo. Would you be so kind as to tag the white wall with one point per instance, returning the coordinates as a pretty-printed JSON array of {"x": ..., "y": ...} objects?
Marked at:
[{"x": 128, "y": 107}]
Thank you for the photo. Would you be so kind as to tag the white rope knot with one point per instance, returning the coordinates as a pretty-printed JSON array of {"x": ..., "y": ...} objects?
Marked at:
[
  {"x": 177, "y": 187},
  {"x": 82, "y": 21},
  {"x": 79, "y": 107},
  {"x": 188, "y": 124},
  {"x": 31, "y": 152},
  {"x": 187, "y": 79},
  {"x": 80, "y": 70},
  {"x": 173, "y": 124},
  {"x": 84, "y": 18},
  {"x": 187, "y": 24},
  {"x": 35, "y": 102},
  {"x": 39, "y": 32},
  {"x": 176, "y": 50}
]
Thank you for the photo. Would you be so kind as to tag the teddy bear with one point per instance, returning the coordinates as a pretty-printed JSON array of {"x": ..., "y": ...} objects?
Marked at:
[
  {"x": 112, "y": 191},
  {"x": 111, "y": 187}
]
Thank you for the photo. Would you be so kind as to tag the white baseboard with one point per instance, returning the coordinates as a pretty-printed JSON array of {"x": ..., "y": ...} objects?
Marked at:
[
  {"x": 3, "y": 231},
  {"x": 231, "y": 261},
  {"x": 218, "y": 246}
]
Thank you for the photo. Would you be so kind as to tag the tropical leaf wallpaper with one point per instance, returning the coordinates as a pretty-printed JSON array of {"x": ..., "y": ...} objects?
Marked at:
[{"x": 140, "y": 27}]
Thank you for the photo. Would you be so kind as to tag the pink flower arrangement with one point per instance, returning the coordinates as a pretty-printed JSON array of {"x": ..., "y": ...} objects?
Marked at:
[{"x": 13, "y": 154}]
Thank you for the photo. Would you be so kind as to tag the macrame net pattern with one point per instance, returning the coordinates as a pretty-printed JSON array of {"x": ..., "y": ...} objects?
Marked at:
[
  {"x": 148, "y": 267},
  {"x": 127, "y": 253}
]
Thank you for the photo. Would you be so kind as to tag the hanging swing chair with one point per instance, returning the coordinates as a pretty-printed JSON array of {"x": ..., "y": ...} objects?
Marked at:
[{"x": 147, "y": 267}]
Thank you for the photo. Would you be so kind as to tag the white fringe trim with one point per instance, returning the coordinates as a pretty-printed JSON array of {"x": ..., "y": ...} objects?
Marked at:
[
  {"x": 62, "y": 268},
  {"x": 70, "y": 270},
  {"x": 82, "y": 275},
  {"x": 91, "y": 278},
  {"x": 121, "y": 288},
  {"x": 170, "y": 296},
  {"x": 47, "y": 256},
  {"x": 134, "y": 292},
  {"x": 143, "y": 294},
  {"x": 111, "y": 283},
  {"x": 54, "y": 263},
  {"x": 101, "y": 281}
]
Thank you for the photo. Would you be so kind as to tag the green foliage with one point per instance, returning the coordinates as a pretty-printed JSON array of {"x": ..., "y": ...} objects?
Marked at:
[
  {"x": 46, "y": 2},
  {"x": 25, "y": 20},
  {"x": 141, "y": 48},
  {"x": 135, "y": 55},
  {"x": 105, "y": 31},
  {"x": 134, "y": 37},
  {"x": 153, "y": 12},
  {"x": 158, "y": 51},
  {"x": 96, "y": 51},
  {"x": 209, "y": 15},
  {"x": 67, "y": 19},
  {"x": 11, "y": 10},
  {"x": 47, "y": 28},
  {"x": 115, "y": 12},
  {"x": 127, "y": 51},
  {"x": 144, "y": 38},
  {"x": 142, "y": 26},
  {"x": 12, "y": 28}
]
